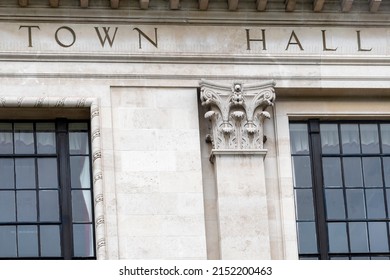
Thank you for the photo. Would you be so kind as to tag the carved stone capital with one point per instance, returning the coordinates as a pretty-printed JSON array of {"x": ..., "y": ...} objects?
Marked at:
[{"x": 236, "y": 113}]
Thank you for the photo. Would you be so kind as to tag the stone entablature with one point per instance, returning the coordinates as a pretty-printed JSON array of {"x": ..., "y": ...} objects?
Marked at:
[
  {"x": 201, "y": 44},
  {"x": 237, "y": 113}
]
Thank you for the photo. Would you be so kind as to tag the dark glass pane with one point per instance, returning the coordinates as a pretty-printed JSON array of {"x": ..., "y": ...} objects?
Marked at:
[
  {"x": 352, "y": 168},
  {"x": 25, "y": 173},
  {"x": 7, "y": 206},
  {"x": 302, "y": 172},
  {"x": 375, "y": 203},
  {"x": 26, "y": 206},
  {"x": 48, "y": 206},
  {"x": 372, "y": 171},
  {"x": 78, "y": 126},
  {"x": 81, "y": 206},
  {"x": 355, "y": 204},
  {"x": 385, "y": 136},
  {"x": 6, "y": 141},
  {"x": 334, "y": 204},
  {"x": 386, "y": 170},
  {"x": 24, "y": 138},
  {"x": 307, "y": 237},
  {"x": 27, "y": 241},
  {"x": 50, "y": 241},
  {"x": 5, "y": 127},
  {"x": 337, "y": 234},
  {"x": 299, "y": 138},
  {"x": 7, "y": 173},
  {"x": 332, "y": 172},
  {"x": 350, "y": 138},
  {"x": 304, "y": 204},
  {"x": 339, "y": 258},
  {"x": 370, "y": 138},
  {"x": 360, "y": 258},
  {"x": 358, "y": 237},
  {"x": 83, "y": 240},
  {"x": 80, "y": 174},
  {"x": 45, "y": 127},
  {"x": 78, "y": 143},
  {"x": 330, "y": 139},
  {"x": 378, "y": 237},
  {"x": 47, "y": 173},
  {"x": 7, "y": 241}
]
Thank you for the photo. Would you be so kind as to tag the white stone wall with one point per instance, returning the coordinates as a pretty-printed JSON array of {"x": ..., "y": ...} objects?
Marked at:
[
  {"x": 158, "y": 173},
  {"x": 160, "y": 190}
]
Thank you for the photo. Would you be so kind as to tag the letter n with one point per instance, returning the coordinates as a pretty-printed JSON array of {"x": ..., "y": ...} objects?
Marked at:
[{"x": 142, "y": 34}]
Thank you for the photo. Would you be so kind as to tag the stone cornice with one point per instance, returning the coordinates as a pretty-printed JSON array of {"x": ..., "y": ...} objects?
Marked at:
[
  {"x": 261, "y": 5},
  {"x": 357, "y": 18},
  {"x": 237, "y": 112}
]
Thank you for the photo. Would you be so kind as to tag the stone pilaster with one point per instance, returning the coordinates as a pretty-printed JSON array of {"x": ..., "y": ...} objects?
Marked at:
[{"x": 236, "y": 113}]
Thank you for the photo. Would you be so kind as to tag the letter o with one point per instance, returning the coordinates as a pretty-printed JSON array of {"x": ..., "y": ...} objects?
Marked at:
[{"x": 71, "y": 32}]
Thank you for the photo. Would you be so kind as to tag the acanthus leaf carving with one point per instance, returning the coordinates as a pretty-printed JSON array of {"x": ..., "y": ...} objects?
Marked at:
[{"x": 237, "y": 113}]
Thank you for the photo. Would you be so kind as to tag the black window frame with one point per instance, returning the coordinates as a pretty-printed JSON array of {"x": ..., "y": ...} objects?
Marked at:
[
  {"x": 63, "y": 156},
  {"x": 318, "y": 189}
]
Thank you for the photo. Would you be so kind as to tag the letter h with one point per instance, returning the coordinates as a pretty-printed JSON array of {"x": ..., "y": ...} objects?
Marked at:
[{"x": 249, "y": 40}]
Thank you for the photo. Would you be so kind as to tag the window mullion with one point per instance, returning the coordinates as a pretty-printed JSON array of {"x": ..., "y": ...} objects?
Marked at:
[
  {"x": 64, "y": 179},
  {"x": 316, "y": 159}
]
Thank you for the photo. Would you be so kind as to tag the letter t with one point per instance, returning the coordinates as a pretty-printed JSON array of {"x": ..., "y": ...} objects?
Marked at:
[{"x": 29, "y": 27}]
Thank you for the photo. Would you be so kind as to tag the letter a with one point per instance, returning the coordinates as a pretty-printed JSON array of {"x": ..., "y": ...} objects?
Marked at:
[{"x": 293, "y": 35}]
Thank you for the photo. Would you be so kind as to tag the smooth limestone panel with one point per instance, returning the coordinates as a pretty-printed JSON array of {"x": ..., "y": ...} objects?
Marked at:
[
  {"x": 158, "y": 171},
  {"x": 242, "y": 207}
]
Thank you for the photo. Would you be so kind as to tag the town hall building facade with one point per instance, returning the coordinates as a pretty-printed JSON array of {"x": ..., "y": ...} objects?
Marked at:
[{"x": 204, "y": 129}]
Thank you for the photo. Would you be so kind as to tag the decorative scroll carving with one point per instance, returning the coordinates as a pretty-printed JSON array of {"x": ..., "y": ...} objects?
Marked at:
[
  {"x": 81, "y": 102},
  {"x": 99, "y": 221},
  {"x": 237, "y": 113},
  {"x": 96, "y": 155},
  {"x": 39, "y": 102},
  {"x": 60, "y": 102}
]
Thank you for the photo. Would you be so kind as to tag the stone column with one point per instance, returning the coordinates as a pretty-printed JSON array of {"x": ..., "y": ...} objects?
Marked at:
[{"x": 236, "y": 113}]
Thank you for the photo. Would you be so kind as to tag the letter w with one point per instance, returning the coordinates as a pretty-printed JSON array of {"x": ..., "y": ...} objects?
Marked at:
[{"x": 106, "y": 36}]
